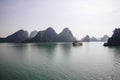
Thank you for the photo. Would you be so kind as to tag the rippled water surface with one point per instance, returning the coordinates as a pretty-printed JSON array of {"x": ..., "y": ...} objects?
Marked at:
[{"x": 59, "y": 61}]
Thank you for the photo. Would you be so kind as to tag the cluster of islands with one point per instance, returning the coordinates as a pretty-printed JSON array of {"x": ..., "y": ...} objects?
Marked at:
[{"x": 50, "y": 35}]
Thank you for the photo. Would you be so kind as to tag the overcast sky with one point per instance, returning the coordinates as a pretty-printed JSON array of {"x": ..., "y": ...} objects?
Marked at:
[{"x": 82, "y": 17}]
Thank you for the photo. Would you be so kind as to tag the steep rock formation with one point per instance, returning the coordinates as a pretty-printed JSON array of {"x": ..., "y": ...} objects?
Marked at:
[
  {"x": 18, "y": 36},
  {"x": 86, "y": 39},
  {"x": 66, "y": 36},
  {"x": 48, "y": 35},
  {"x": 115, "y": 39},
  {"x": 104, "y": 38},
  {"x": 93, "y": 39},
  {"x": 33, "y": 34}
]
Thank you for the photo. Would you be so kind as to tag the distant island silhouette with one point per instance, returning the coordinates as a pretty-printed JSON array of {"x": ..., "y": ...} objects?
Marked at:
[
  {"x": 48, "y": 35},
  {"x": 18, "y": 36},
  {"x": 87, "y": 38}
]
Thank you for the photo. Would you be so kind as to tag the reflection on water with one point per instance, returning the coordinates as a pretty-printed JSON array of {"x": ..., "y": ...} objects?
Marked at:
[
  {"x": 59, "y": 61},
  {"x": 115, "y": 49},
  {"x": 115, "y": 52},
  {"x": 49, "y": 47}
]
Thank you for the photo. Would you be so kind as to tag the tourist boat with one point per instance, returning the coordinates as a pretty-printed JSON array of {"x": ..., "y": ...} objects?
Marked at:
[{"x": 77, "y": 43}]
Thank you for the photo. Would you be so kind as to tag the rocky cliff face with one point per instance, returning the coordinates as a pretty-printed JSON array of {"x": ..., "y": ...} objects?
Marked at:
[
  {"x": 86, "y": 39},
  {"x": 18, "y": 36},
  {"x": 33, "y": 34},
  {"x": 49, "y": 35},
  {"x": 104, "y": 38},
  {"x": 93, "y": 39},
  {"x": 115, "y": 39},
  {"x": 66, "y": 36}
]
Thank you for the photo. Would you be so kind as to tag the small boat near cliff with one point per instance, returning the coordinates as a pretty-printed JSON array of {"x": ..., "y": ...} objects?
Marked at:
[{"x": 77, "y": 43}]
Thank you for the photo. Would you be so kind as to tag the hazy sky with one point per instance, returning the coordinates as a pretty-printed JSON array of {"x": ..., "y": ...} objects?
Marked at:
[{"x": 82, "y": 17}]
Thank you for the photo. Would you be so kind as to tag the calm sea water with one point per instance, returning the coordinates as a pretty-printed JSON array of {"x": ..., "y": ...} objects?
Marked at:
[{"x": 59, "y": 61}]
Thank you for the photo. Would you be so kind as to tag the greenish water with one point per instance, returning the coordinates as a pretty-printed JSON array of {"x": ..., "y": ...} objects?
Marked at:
[{"x": 59, "y": 61}]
